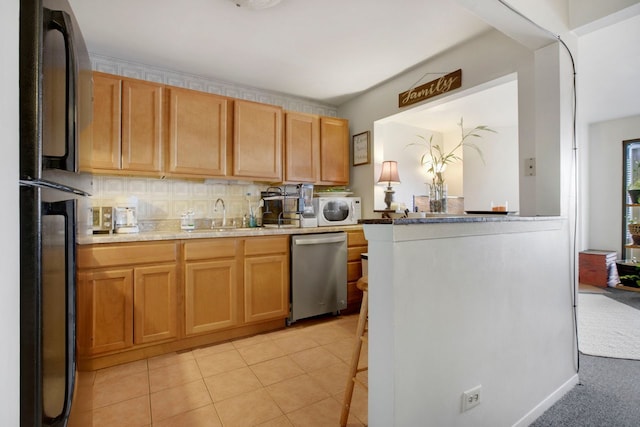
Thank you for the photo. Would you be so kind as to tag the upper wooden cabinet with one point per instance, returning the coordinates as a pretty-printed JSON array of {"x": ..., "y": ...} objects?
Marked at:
[
  {"x": 106, "y": 149},
  {"x": 301, "y": 147},
  {"x": 149, "y": 129},
  {"x": 142, "y": 126},
  {"x": 316, "y": 149},
  {"x": 127, "y": 125},
  {"x": 257, "y": 141},
  {"x": 334, "y": 151},
  {"x": 199, "y": 133}
]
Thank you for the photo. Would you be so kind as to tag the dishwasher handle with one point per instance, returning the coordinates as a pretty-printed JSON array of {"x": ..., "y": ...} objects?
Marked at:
[{"x": 320, "y": 240}]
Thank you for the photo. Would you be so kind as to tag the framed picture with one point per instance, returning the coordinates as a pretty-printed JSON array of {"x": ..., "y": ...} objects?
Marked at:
[{"x": 361, "y": 149}]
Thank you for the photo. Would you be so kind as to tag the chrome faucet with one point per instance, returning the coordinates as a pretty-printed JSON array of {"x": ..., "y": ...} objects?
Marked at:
[{"x": 224, "y": 211}]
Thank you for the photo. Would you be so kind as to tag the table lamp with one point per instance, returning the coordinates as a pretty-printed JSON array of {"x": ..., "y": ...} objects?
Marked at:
[{"x": 389, "y": 174}]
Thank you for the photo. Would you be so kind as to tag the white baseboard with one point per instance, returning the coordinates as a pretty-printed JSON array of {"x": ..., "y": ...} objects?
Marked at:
[{"x": 547, "y": 403}]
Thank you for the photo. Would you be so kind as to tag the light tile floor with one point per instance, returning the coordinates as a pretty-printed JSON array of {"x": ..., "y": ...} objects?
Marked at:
[{"x": 292, "y": 377}]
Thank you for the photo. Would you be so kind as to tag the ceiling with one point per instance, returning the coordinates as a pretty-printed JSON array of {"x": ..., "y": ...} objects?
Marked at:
[
  {"x": 325, "y": 50},
  {"x": 332, "y": 50}
]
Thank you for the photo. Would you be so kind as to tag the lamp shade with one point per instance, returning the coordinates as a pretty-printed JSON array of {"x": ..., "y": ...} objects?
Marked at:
[{"x": 389, "y": 172}]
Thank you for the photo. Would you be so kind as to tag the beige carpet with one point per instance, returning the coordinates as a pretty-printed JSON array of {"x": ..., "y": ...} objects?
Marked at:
[{"x": 608, "y": 328}]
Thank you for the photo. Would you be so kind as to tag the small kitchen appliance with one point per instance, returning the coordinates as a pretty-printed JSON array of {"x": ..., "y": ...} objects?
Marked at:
[
  {"x": 126, "y": 215},
  {"x": 289, "y": 206},
  {"x": 102, "y": 219},
  {"x": 333, "y": 211},
  {"x": 318, "y": 274}
]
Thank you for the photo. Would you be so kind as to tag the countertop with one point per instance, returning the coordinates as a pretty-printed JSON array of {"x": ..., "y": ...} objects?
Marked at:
[
  {"x": 450, "y": 218},
  {"x": 261, "y": 231},
  {"x": 147, "y": 236}
]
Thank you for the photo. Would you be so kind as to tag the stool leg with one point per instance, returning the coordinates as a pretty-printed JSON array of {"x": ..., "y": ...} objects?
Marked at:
[{"x": 355, "y": 357}]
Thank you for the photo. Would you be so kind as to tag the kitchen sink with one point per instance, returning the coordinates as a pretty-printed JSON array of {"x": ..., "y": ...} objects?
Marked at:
[{"x": 218, "y": 229}]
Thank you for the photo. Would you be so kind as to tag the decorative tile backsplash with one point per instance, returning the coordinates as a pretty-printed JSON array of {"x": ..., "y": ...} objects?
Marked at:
[
  {"x": 135, "y": 70},
  {"x": 162, "y": 199}
]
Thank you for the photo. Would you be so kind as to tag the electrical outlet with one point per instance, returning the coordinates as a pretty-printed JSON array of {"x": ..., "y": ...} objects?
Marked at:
[
  {"x": 530, "y": 166},
  {"x": 471, "y": 398}
]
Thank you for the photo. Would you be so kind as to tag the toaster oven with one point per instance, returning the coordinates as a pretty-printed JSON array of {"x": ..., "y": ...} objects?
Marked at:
[{"x": 102, "y": 219}]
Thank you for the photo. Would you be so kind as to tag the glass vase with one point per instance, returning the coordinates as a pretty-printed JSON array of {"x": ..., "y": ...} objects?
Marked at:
[{"x": 438, "y": 198}]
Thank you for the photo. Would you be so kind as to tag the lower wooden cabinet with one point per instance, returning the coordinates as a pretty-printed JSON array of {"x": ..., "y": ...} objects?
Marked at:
[
  {"x": 126, "y": 295},
  {"x": 105, "y": 311},
  {"x": 230, "y": 282},
  {"x": 356, "y": 246},
  {"x": 140, "y": 299},
  {"x": 210, "y": 285},
  {"x": 211, "y": 296},
  {"x": 154, "y": 304},
  {"x": 266, "y": 278}
]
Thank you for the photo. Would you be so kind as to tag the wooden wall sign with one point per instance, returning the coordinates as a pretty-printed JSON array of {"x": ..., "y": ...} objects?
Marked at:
[{"x": 433, "y": 88}]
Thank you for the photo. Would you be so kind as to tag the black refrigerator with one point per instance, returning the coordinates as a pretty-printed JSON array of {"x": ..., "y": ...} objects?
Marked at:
[{"x": 55, "y": 118}]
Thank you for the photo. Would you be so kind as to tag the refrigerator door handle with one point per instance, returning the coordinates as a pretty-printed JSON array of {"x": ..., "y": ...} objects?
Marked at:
[
  {"x": 43, "y": 183},
  {"x": 57, "y": 20},
  {"x": 65, "y": 209}
]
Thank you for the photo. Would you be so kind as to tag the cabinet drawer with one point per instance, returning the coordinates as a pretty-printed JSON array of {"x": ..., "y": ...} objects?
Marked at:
[
  {"x": 266, "y": 245},
  {"x": 210, "y": 248},
  {"x": 127, "y": 254},
  {"x": 356, "y": 238},
  {"x": 353, "y": 254}
]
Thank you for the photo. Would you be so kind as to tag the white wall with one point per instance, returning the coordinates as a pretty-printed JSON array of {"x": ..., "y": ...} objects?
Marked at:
[
  {"x": 471, "y": 309},
  {"x": 495, "y": 179},
  {"x": 392, "y": 140},
  {"x": 603, "y": 197},
  {"x": 589, "y": 13},
  {"x": 613, "y": 100},
  {"x": 542, "y": 110},
  {"x": 9, "y": 215}
]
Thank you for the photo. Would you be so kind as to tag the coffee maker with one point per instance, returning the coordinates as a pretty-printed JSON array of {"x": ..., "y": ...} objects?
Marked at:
[
  {"x": 289, "y": 205},
  {"x": 126, "y": 215}
]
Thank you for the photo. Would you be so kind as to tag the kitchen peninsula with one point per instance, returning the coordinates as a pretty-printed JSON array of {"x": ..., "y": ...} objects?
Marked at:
[{"x": 459, "y": 302}]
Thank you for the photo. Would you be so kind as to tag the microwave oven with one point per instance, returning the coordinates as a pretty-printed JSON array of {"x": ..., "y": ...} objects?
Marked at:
[{"x": 332, "y": 211}]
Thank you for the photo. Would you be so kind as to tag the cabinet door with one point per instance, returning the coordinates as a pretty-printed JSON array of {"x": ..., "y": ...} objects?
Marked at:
[
  {"x": 105, "y": 311},
  {"x": 106, "y": 125},
  {"x": 257, "y": 141},
  {"x": 302, "y": 147},
  {"x": 199, "y": 133},
  {"x": 266, "y": 288},
  {"x": 154, "y": 303},
  {"x": 334, "y": 151},
  {"x": 357, "y": 245},
  {"x": 141, "y": 126},
  {"x": 211, "y": 297}
]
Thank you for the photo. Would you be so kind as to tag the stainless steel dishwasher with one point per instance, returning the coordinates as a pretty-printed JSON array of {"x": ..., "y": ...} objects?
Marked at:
[{"x": 318, "y": 274}]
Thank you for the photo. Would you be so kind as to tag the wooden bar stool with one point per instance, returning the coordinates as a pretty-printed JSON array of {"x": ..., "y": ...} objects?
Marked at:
[{"x": 363, "y": 285}]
